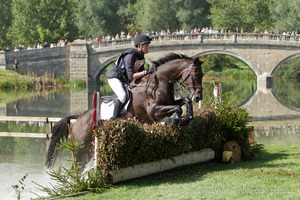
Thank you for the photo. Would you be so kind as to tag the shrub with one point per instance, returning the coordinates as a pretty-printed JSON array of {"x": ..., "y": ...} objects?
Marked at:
[
  {"x": 124, "y": 143},
  {"x": 233, "y": 126}
]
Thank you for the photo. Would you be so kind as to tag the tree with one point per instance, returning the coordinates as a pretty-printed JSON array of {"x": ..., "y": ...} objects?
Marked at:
[
  {"x": 102, "y": 17},
  {"x": 6, "y": 18},
  {"x": 159, "y": 15},
  {"x": 57, "y": 20},
  {"x": 23, "y": 28},
  {"x": 193, "y": 13},
  {"x": 286, "y": 15},
  {"x": 155, "y": 15},
  {"x": 40, "y": 21},
  {"x": 247, "y": 15},
  {"x": 218, "y": 63}
]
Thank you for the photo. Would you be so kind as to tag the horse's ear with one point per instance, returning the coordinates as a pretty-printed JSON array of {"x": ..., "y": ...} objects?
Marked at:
[
  {"x": 199, "y": 62},
  {"x": 203, "y": 59}
]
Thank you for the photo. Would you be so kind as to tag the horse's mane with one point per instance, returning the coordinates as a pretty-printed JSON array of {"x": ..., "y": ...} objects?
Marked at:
[{"x": 169, "y": 57}]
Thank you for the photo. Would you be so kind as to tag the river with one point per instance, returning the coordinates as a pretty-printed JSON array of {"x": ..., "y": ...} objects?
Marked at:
[{"x": 276, "y": 113}]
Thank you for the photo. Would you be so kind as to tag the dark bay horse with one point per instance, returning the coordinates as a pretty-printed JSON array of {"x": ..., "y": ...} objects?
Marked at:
[{"x": 152, "y": 100}]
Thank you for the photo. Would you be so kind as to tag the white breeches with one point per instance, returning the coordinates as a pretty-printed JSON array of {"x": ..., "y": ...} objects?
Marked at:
[{"x": 117, "y": 87}]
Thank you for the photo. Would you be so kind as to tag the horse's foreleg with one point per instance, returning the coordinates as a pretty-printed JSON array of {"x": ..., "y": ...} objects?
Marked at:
[
  {"x": 189, "y": 106},
  {"x": 178, "y": 119},
  {"x": 159, "y": 112}
]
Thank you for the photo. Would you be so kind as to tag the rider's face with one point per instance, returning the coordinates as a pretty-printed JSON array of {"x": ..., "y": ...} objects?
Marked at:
[{"x": 144, "y": 48}]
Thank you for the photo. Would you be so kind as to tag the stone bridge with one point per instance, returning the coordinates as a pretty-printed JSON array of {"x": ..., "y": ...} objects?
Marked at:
[{"x": 85, "y": 60}]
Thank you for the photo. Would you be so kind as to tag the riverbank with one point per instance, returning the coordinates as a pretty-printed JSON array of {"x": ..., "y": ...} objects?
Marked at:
[
  {"x": 11, "y": 80},
  {"x": 274, "y": 175}
]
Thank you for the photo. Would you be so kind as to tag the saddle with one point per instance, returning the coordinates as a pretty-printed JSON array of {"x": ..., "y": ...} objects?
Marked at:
[{"x": 104, "y": 106}]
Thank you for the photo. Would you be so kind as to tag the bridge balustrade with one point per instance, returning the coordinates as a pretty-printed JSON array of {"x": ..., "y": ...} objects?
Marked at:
[{"x": 204, "y": 36}]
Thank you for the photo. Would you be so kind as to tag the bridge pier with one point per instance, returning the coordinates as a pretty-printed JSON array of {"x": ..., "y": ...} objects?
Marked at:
[
  {"x": 2, "y": 60},
  {"x": 265, "y": 81}
]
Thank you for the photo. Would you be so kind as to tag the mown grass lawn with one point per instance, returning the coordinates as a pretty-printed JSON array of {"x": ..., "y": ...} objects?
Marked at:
[{"x": 274, "y": 175}]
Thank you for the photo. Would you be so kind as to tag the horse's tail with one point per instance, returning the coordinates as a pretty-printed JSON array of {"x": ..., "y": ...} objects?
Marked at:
[{"x": 59, "y": 131}]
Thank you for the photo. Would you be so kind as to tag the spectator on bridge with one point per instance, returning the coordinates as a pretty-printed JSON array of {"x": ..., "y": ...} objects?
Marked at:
[
  {"x": 129, "y": 67},
  {"x": 16, "y": 65}
]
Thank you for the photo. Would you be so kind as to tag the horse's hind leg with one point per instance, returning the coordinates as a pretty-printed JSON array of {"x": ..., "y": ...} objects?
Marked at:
[{"x": 84, "y": 155}]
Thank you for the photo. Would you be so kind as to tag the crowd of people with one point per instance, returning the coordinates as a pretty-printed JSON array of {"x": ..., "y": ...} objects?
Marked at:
[
  {"x": 285, "y": 35},
  {"x": 206, "y": 30},
  {"x": 60, "y": 43}
]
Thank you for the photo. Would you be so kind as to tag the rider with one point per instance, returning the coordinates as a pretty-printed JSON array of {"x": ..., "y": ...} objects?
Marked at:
[{"x": 129, "y": 67}]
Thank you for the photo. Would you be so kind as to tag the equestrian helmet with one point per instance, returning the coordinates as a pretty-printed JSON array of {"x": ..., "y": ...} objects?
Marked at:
[{"x": 142, "y": 39}]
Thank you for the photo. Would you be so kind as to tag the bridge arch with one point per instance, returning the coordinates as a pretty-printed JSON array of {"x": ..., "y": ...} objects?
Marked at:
[
  {"x": 100, "y": 70},
  {"x": 225, "y": 52},
  {"x": 296, "y": 55}
]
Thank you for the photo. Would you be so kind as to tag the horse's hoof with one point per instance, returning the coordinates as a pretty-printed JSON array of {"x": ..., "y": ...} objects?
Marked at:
[{"x": 175, "y": 122}]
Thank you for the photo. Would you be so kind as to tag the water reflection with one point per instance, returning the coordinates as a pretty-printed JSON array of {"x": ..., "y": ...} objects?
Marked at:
[
  {"x": 287, "y": 92},
  {"x": 18, "y": 157},
  {"x": 284, "y": 135}
]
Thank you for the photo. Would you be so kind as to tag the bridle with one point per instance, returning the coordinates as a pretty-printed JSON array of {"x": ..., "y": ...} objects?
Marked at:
[{"x": 191, "y": 87}]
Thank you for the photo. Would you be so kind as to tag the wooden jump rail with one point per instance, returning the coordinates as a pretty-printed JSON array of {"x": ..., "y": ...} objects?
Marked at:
[
  {"x": 28, "y": 119},
  {"x": 48, "y": 121}
]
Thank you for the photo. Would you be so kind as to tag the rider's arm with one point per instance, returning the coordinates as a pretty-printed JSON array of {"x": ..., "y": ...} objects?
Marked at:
[{"x": 129, "y": 64}]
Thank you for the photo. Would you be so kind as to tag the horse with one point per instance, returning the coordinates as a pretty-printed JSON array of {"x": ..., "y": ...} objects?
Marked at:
[{"x": 152, "y": 100}]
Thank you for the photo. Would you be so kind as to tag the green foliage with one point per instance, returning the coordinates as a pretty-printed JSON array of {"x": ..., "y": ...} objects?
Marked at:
[
  {"x": 221, "y": 62},
  {"x": 70, "y": 181},
  {"x": 285, "y": 13},
  {"x": 246, "y": 15},
  {"x": 10, "y": 126},
  {"x": 236, "y": 74},
  {"x": 11, "y": 80},
  {"x": 77, "y": 84},
  {"x": 161, "y": 15},
  {"x": 28, "y": 22},
  {"x": 42, "y": 21},
  {"x": 233, "y": 127},
  {"x": 285, "y": 92},
  {"x": 101, "y": 18},
  {"x": 6, "y": 19},
  {"x": 289, "y": 69}
]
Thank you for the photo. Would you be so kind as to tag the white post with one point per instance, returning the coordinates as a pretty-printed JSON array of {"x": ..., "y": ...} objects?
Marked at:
[
  {"x": 199, "y": 104},
  {"x": 216, "y": 96}
]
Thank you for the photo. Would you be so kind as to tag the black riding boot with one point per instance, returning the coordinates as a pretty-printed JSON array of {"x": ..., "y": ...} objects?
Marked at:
[{"x": 117, "y": 109}]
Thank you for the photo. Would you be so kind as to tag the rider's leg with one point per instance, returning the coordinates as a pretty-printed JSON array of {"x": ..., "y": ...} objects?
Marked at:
[
  {"x": 117, "y": 87},
  {"x": 117, "y": 109}
]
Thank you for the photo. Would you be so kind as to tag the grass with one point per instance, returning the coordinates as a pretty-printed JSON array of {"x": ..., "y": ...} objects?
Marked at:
[
  {"x": 274, "y": 175},
  {"x": 11, "y": 80},
  {"x": 232, "y": 73},
  {"x": 14, "y": 86}
]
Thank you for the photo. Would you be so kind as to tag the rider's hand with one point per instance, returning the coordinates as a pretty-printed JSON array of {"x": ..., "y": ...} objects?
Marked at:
[{"x": 151, "y": 70}]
